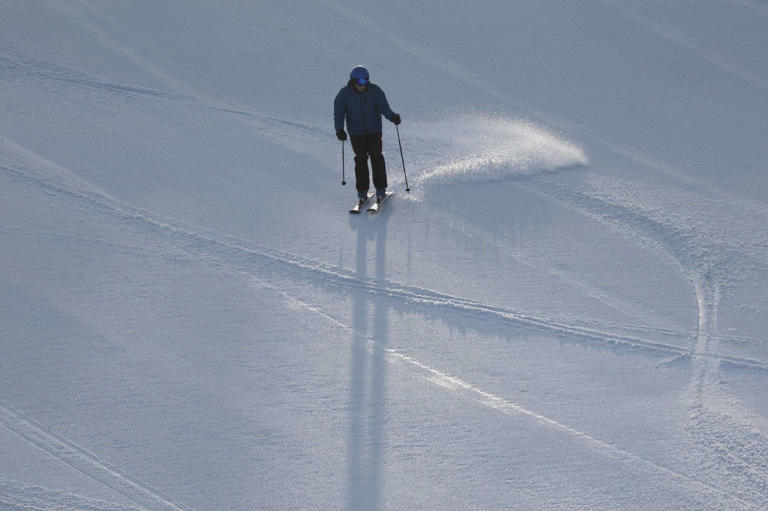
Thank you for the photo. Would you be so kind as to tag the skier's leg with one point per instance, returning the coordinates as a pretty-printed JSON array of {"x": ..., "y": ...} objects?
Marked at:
[
  {"x": 378, "y": 165},
  {"x": 360, "y": 147}
]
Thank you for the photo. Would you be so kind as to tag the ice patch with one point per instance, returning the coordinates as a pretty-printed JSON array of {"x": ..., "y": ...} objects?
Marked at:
[{"x": 478, "y": 148}]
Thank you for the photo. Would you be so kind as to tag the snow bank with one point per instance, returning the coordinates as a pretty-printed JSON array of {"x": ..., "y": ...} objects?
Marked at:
[{"x": 476, "y": 148}]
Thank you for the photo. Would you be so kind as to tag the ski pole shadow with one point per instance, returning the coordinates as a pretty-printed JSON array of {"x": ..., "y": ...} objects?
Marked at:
[{"x": 368, "y": 375}]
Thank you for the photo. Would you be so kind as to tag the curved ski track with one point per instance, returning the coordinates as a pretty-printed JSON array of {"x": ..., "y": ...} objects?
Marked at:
[
  {"x": 242, "y": 255},
  {"x": 712, "y": 435},
  {"x": 472, "y": 393},
  {"x": 268, "y": 263},
  {"x": 728, "y": 453}
]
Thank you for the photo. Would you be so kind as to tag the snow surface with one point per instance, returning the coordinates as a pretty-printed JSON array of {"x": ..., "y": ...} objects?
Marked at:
[{"x": 568, "y": 311}]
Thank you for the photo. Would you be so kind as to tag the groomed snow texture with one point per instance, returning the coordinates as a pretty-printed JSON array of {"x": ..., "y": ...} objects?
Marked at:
[{"x": 569, "y": 310}]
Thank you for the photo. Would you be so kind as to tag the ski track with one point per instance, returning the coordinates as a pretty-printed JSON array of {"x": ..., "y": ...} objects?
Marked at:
[
  {"x": 712, "y": 435},
  {"x": 270, "y": 263},
  {"x": 728, "y": 442},
  {"x": 35, "y": 69},
  {"x": 17, "y": 497},
  {"x": 273, "y": 264},
  {"x": 85, "y": 462},
  {"x": 507, "y": 407},
  {"x": 54, "y": 72},
  {"x": 238, "y": 253},
  {"x": 151, "y": 499}
]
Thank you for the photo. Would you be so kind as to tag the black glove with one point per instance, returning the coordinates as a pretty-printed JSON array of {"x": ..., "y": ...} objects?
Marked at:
[
  {"x": 396, "y": 119},
  {"x": 341, "y": 135}
]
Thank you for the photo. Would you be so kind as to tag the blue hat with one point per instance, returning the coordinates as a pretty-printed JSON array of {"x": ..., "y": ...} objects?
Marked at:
[{"x": 360, "y": 75}]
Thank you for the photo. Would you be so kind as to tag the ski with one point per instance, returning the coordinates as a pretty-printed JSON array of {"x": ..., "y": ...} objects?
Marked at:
[
  {"x": 359, "y": 206},
  {"x": 375, "y": 206}
]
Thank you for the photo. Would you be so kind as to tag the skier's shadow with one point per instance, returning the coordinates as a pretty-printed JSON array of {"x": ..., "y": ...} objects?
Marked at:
[{"x": 368, "y": 375}]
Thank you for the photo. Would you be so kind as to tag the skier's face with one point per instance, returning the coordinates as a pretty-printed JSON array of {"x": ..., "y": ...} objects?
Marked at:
[{"x": 361, "y": 88}]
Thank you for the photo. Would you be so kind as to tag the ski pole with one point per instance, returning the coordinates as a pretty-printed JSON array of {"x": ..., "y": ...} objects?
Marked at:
[
  {"x": 407, "y": 188},
  {"x": 343, "y": 175}
]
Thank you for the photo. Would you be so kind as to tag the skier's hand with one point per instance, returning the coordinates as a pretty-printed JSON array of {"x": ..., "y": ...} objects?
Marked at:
[
  {"x": 396, "y": 119},
  {"x": 341, "y": 135}
]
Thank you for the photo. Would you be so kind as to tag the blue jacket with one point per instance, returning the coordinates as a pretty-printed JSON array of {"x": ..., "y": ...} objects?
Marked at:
[{"x": 362, "y": 110}]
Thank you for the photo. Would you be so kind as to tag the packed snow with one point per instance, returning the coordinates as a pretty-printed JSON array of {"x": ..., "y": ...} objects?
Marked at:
[{"x": 568, "y": 310}]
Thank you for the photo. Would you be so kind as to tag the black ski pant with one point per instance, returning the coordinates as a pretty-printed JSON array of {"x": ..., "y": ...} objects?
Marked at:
[{"x": 365, "y": 146}]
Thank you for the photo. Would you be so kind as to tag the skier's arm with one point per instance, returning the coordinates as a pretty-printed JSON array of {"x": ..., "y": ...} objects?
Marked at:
[
  {"x": 339, "y": 109},
  {"x": 384, "y": 106}
]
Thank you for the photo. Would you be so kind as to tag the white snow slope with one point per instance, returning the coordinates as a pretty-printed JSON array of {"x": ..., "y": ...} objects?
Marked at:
[{"x": 568, "y": 311}]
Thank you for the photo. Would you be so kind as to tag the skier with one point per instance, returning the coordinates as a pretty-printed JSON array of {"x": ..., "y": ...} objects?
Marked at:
[{"x": 362, "y": 104}]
